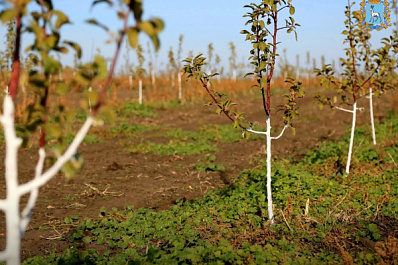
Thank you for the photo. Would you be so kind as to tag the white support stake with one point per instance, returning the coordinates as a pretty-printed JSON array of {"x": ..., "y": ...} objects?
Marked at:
[
  {"x": 131, "y": 81},
  {"x": 179, "y": 87},
  {"x": 140, "y": 91}
]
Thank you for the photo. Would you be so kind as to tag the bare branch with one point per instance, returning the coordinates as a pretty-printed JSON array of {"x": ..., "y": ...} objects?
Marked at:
[
  {"x": 280, "y": 135},
  {"x": 280, "y": 9},
  {"x": 342, "y": 109},
  {"x": 53, "y": 170},
  {"x": 27, "y": 211},
  {"x": 256, "y": 132}
]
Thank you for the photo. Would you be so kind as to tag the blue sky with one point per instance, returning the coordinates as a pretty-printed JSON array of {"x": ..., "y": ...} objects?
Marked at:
[{"x": 212, "y": 21}]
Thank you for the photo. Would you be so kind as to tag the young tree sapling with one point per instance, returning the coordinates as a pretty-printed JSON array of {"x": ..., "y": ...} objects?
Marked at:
[
  {"x": 263, "y": 20},
  {"x": 46, "y": 25}
]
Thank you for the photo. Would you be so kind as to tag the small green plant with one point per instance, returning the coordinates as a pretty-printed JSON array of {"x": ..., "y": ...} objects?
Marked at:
[
  {"x": 209, "y": 165},
  {"x": 135, "y": 109},
  {"x": 175, "y": 147}
]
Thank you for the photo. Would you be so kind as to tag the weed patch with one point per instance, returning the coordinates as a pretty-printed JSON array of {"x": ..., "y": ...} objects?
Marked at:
[{"x": 175, "y": 147}]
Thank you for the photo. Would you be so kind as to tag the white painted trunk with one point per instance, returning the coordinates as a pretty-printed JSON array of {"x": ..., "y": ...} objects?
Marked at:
[
  {"x": 372, "y": 122},
  {"x": 89, "y": 101},
  {"x": 354, "y": 118},
  {"x": 13, "y": 247},
  {"x": 179, "y": 87},
  {"x": 17, "y": 221},
  {"x": 140, "y": 91},
  {"x": 269, "y": 180},
  {"x": 153, "y": 79},
  {"x": 131, "y": 81}
]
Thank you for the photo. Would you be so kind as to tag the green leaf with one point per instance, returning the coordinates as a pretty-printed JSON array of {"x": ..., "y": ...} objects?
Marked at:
[
  {"x": 132, "y": 34},
  {"x": 96, "y": 23},
  {"x": 292, "y": 10},
  {"x": 147, "y": 27},
  {"x": 76, "y": 47},
  {"x": 62, "y": 89},
  {"x": 136, "y": 8},
  {"x": 158, "y": 24},
  {"x": 51, "y": 66},
  {"x": 262, "y": 82},
  {"x": 155, "y": 41},
  {"x": 61, "y": 20},
  {"x": 262, "y": 66},
  {"x": 101, "y": 1},
  {"x": 7, "y": 15},
  {"x": 53, "y": 130}
]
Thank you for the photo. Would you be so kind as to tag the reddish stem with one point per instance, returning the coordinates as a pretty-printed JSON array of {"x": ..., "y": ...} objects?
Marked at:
[
  {"x": 16, "y": 65},
  {"x": 204, "y": 83},
  {"x": 352, "y": 46},
  {"x": 108, "y": 81},
  {"x": 271, "y": 73}
]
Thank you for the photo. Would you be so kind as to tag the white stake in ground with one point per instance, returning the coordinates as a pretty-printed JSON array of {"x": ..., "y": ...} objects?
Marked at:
[{"x": 140, "y": 91}]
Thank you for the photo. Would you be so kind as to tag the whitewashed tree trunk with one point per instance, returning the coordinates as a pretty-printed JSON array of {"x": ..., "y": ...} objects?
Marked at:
[
  {"x": 269, "y": 139},
  {"x": 179, "y": 87},
  {"x": 130, "y": 81},
  {"x": 269, "y": 178},
  {"x": 153, "y": 79},
  {"x": 234, "y": 76},
  {"x": 372, "y": 122},
  {"x": 354, "y": 118},
  {"x": 140, "y": 91},
  {"x": 90, "y": 89},
  {"x": 17, "y": 221}
]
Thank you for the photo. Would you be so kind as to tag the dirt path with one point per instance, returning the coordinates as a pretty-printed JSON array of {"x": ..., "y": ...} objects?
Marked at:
[{"x": 113, "y": 177}]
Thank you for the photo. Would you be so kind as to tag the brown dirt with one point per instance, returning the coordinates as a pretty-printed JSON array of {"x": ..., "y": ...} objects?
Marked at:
[{"x": 113, "y": 177}]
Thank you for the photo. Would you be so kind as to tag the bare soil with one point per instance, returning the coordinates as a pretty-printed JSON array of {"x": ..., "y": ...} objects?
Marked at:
[{"x": 112, "y": 177}]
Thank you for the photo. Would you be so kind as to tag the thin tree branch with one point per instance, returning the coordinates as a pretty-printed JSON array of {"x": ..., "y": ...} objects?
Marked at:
[
  {"x": 27, "y": 211},
  {"x": 280, "y": 135},
  {"x": 108, "y": 81},
  {"x": 368, "y": 79},
  {"x": 53, "y": 170},
  {"x": 280, "y": 9},
  {"x": 285, "y": 27},
  {"x": 204, "y": 83},
  {"x": 342, "y": 109},
  {"x": 256, "y": 132}
]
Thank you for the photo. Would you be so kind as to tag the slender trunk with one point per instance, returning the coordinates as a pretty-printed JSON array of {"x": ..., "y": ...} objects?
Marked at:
[
  {"x": 140, "y": 91},
  {"x": 372, "y": 122},
  {"x": 11, "y": 173},
  {"x": 179, "y": 87},
  {"x": 153, "y": 77},
  {"x": 354, "y": 118},
  {"x": 269, "y": 180},
  {"x": 131, "y": 81}
]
